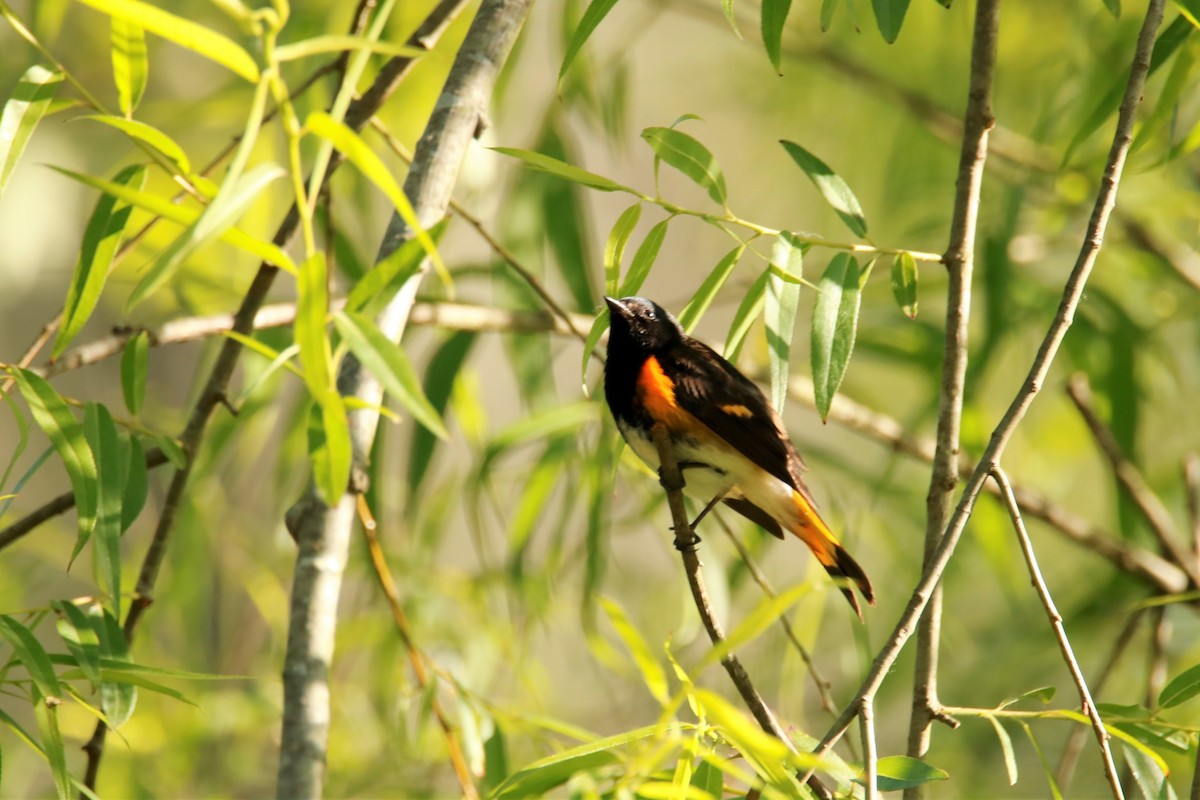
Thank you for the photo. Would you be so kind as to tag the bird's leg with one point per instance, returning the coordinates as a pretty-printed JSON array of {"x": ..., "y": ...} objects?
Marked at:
[{"x": 704, "y": 511}]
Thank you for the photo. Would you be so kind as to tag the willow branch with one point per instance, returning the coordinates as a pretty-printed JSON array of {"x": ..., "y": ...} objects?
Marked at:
[
  {"x": 1072, "y": 292},
  {"x": 1060, "y": 632},
  {"x": 322, "y": 532},
  {"x": 1191, "y": 479},
  {"x": 960, "y": 261}
]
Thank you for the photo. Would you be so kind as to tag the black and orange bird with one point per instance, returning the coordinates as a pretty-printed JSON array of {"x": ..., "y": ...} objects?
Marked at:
[{"x": 730, "y": 443}]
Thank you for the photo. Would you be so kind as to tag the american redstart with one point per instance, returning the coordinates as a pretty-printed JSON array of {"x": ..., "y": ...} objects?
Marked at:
[{"x": 730, "y": 443}]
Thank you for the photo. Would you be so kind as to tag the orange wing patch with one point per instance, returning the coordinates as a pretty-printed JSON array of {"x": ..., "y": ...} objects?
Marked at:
[{"x": 737, "y": 410}]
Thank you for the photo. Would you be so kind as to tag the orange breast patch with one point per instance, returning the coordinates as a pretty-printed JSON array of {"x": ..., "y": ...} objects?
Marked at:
[{"x": 658, "y": 394}]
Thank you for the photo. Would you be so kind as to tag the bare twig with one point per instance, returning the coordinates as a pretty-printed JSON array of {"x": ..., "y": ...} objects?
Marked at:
[
  {"x": 866, "y": 721},
  {"x": 1060, "y": 633},
  {"x": 960, "y": 260},
  {"x": 416, "y": 658},
  {"x": 322, "y": 532},
  {"x": 1072, "y": 292},
  {"x": 1129, "y": 477},
  {"x": 1191, "y": 479}
]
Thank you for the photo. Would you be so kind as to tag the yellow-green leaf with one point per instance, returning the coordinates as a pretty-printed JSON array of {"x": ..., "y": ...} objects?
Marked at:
[
  {"x": 130, "y": 65},
  {"x": 336, "y": 43},
  {"x": 643, "y": 657},
  {"x": 147, "y": 134},
  {"x": 24, "y": 109}
]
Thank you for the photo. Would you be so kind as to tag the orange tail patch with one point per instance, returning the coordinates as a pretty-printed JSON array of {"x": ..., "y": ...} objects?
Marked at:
[{"x": 813, "y": 531}]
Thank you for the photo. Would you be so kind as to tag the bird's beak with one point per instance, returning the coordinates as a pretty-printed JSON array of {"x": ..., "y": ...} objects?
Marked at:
[{"x": 617, "y": 307}]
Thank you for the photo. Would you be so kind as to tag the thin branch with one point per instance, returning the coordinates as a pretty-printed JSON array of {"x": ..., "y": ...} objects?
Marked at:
[
  {"x": 960, "y": 262},
  {"x": 866, "y": 721},
  {"x": 322, "y": 532},
  {"x": 1129, "y": 477},
  {"x": 416, "y": 658},
  {"x": 1072, "y": 292},
  {"x": 1191, "y": 479},
  {"x": 1060, "y": 633}
]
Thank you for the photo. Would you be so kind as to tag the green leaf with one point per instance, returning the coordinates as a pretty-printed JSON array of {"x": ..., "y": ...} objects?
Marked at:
[
  {"x": 337, "y": 43},
  {"x": 130, "y": 65},
  {"x": 900, "y": 772},
  {"x": 769, "y": 756},
  {"x": 835, "y": 319},
  {"x": 110, "y": 466},
  {"x": 137, "y": 483},
  {"x": 831, "y": 186},
  {"x": 117, "y": 699},
  {"x": 687, "y": 155},
  {"x": 146, "y": 134},
  {"x": 596, "y": 11},
  {"x": 1166, "y": 108},
  {"x": 380, "y": 283},
  {"x": 614, "y": 248},
  {"x": 170, "y": 447},
  {"x": 708, "y": 779},
  {"x": 81, "y": 640},
  {"x": 749, "y": 310},
  {"x": 764, "y": 615},
  {"x": 135, "y": 359},
  {"x": 183, "y": 215},
  {"x": 730, "y": 16},
  {"x": 1183, "y": 687},
  {"x": 46, "y": 710},
  {"x": 356, "y": 151},
  {"x": 220, "y": 215},
  {"x": 388, "y": 362},
  {"x": 889, "y": 15},
  {"x": 904, "y": 284},
  {"x": 561, "y": 169},
  {"x": 643, "y": 259},
  {"x": 774, "y": 17},
  {"x": 309, "y": 332},
  {"x": 782, "y": 300},
  {"x": 1010, "y": 759},
  {"x": 101, "y": 240},
  {"x": 440, "y": 375},
  {"x": 599, "y": 326},
  {"x": 28, "y": 650},
  {"x": 643, "y": 657},
  {"x": 1114, "y": 8},
  {"x": 827, "y": 9},
  {"x": 704, "y": 296},
  {"x": 543, "y": 775},
  {"x": 183, "y": 32},
  {"x": 329, "y": 446},
  {"x": 66, "y": 434},
  {"x": 541, "y": 425},
  {"x": 564, "y": 220},
  {"x": 22, "y": 113}
]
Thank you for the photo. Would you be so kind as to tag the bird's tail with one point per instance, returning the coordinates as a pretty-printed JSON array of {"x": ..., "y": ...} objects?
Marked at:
[{"x": 813, "y": 531}]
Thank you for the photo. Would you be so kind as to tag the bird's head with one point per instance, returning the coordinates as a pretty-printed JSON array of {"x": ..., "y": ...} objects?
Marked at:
[{"x": 642, "y": 324}]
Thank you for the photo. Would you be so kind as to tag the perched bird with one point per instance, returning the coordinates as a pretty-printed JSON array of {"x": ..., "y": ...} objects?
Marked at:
[{"x": 730, "y": 443}]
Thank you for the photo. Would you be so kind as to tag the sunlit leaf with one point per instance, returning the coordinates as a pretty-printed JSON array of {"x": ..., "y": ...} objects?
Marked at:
[
  {"x": 614, "y": 248},
  {"x": 835, "y": 320},
  {"x": 904, "y": 284},
  {"x": 596, "y": 11},
  {"x": 80, "y": 638},
  {"x": 643, "y": 260},
  {"x": 146, "y": 134},
  {"x": 774, "y": 17},
  {"x": 553, "y": 166},
  {"x": 183, "y": 32},
  {"x": 889, "y": 14},
  {"x": 110, "y": 467},
  {"x": 831, "y": 186},
  {"x": 219, "y": 216},
  {"x": 1010, "y": 759},
  {"x": 388, "y": 362},
  {"x": 901, "y": 772},
  {"x": 22, "y": 112},
  {"x": 708, "y": 290},
  {"x": 46, "y": 710},
  {"x": 643, "y": 657},
  {"x": 689, "y": 156},
  {"x": 118, "y": 700},
  {"x": 541, "y": 776},
  {"x": 1183, "y": 687},
  {"x": 782, "y": 300},
  {"x": 66, "y": 434},
  {"x": 134, "y": 367},
  {"x": 329, "y": 446},
  {"x": 749, "y": 310},
  {"x": 101, "y": 240},
  {"x": 764, "y": 615},
  {"x": 130, "y": 65},
  {"x": 336, "y": 43}
]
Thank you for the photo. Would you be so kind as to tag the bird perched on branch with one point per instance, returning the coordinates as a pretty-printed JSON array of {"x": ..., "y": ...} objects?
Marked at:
[{"x": 730, "y": 443}]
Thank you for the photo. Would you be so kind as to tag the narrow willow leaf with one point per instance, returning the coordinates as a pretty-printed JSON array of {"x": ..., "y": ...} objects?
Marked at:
[
  {"x": 835, "y": 319},
  {"x": 117, "y": 699},
  {"x": 146, "y": 134},
  {"x": 337, "y": 43},
  {"x": 332, "y": 453},
  {"x": 889, "y": 15},
  {"x": 835, "y": 190},
  {"x": 135, "y": 359},
  {"x": 901, "y": 772},
  {"x": 561, "y": 169},
  {"x": 29, "y": 651},
  {"x": 444, "y": 367},
  {"x": 614, "y": 248},
  {"x": 782, "y": 300},
  {"x": 904, "y": 284},
  {"x": 749, "y": 310},
  {"x": 1183, "y": 687},
  {"x": 828, "y": 7},
  {"x": 542, "y": 425},
  {"x": 563, "y": 219},
  {"x": 690, "y": 157},
  {"x": 351, "y": 145},
  {"x": 183, "y": 215},
  {"x": 1166, "y": 107},
  {"x": 708, "y": 290},
  {"x": 643, "y": 260},
  {"x": 309, "y": 331},
  {"x": 764, "y": 615},
  {"x": 101, "y": 240},
  {"x": 538, "y": 778},
  {"x": 183, "y": 32},
  {"x": 81, "y": 640},
  {"x": 1114, "y": 8},
  {"x": 22, "y": 112},
  {"x": 380, "y": 283},
  {"x": 708, "y": 779},
  {"x": 599, "y": 326},
  {"x": 596, "y": 11},
  {"x": 388, "y": 362},
  {"x": 172, "y": 450},
  {"x": 769, "y": 756},
  {"x": 130, "y": 65},
  {"x": 46, "y": 710},
  {"x": 220, "y": 215},
  {"x": 643, "y": 657},
  {"x": 1010, "y": 759},
  {"x": 730, "y": 17},
  {"x": 66, "y": 434},
  {"x": 774, "y": 17},
  {"x": 137, "y": 482},
  {"x": 110, "y": 467}
]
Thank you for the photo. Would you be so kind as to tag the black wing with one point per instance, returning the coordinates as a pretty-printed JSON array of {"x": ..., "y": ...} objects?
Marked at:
[{"x": 713, "y": 391}]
